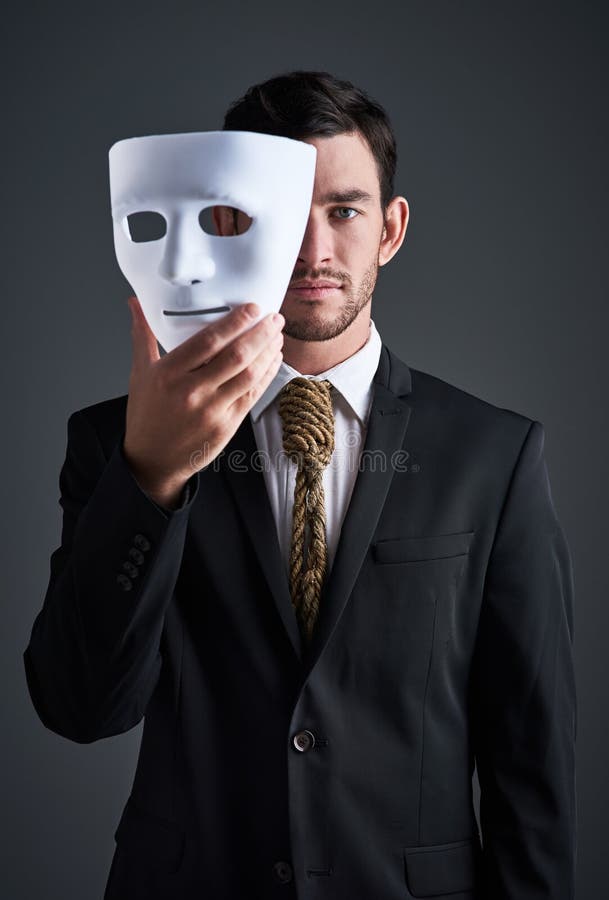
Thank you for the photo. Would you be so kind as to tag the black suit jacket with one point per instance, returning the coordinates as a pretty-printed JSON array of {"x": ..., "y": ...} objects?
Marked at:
[{"x": 343, "y": 770}]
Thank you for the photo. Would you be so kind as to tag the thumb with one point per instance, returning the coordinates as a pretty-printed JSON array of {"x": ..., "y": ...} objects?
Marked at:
[{"x": 145, "y": 348}]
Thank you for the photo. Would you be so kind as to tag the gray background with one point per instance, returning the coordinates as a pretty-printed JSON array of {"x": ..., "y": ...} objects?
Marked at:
[{"x": 500, "y": 288}]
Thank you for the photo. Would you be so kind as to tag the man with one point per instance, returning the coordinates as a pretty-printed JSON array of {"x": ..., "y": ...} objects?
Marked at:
[{"x": 311, "y": 728}]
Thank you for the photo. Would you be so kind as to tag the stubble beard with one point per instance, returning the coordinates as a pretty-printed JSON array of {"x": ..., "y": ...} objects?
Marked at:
[{"x": 315, "y": 328}]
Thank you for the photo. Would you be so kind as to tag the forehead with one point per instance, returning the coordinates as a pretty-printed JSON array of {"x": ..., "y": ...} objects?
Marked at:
[
  {"x": 343, "y": 160},
  {"x": 224, "y": 166}
]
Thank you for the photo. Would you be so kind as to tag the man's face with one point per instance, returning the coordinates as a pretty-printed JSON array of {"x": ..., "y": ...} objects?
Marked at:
[{"x": 343, "y": 242}]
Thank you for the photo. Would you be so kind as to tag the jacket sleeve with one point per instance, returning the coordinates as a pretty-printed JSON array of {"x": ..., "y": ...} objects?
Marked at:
[
  {"x": 523, "y": 695},
  {"x": 94, "y": 658}
]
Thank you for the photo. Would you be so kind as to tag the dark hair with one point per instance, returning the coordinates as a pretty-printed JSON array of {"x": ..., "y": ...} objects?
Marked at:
[{"x": 303, "y": 104}]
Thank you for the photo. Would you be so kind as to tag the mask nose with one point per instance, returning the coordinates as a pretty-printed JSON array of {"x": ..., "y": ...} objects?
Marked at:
[{"x": 186, "y": 259}]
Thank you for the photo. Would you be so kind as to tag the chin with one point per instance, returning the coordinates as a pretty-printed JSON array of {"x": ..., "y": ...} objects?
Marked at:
[{"x": 313, "y": 329}]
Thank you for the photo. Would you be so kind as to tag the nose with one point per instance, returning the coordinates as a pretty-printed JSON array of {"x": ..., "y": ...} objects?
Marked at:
[
  {"x": 316, "y": 247},
  {"x": 187, "y": 259}
]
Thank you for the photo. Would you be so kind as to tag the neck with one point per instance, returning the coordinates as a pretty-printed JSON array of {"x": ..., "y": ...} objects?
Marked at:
[{"x": 313, "y": 357}]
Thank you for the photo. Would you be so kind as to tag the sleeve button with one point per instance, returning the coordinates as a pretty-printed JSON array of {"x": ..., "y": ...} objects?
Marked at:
[
  {"x": 131, "y": 570},
  {"x": 124, "y": 582},
  {"x": 141, "y": 542},
  {"x": 136, "y": 555}
]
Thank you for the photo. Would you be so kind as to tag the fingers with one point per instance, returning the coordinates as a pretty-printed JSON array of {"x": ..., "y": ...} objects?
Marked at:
[
  {"x": 201, "y": 347},
  {"x": 246, "y": 380},
  {"x": 144, "y": 345},
  {"x": 244, "y": 402},
  {"x": 240, "y": 354}
]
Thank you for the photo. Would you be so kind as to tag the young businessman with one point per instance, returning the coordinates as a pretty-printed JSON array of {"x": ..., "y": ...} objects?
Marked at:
[{"x": 321, "y": 652}]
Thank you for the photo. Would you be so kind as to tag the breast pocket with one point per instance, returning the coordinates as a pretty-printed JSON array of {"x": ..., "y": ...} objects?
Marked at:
[
  {"x": 392, "y": 551},
  {"x": 405, "y": 600}
]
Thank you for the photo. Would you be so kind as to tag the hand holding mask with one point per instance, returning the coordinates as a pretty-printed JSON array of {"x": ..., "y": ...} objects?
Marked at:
[
  {"x": 183, "y": 408},
  {"x": 192, "y": 286}
]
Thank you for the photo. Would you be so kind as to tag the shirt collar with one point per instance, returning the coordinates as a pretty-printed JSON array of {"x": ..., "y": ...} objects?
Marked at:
[{"x": 352, "y": 378}]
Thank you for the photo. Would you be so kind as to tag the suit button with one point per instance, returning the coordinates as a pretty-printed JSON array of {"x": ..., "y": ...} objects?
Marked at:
[
  {"x": 283, "y": 872},
  {"x": 304, "y": 740},
  {"x": 131, "y": 570},
  {"x": 136, "y": 555},
  {"x": 141, "y": 542},
  {"x": 124, "y": 582}
]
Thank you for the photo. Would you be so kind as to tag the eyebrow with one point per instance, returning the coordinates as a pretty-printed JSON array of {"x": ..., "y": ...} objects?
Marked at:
[
  {"x": 132, "y": 202},
  {"x": 351, "y": 195}
]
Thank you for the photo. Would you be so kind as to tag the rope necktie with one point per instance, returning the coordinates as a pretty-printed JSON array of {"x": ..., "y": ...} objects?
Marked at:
[{"x": 305, "y": 407}]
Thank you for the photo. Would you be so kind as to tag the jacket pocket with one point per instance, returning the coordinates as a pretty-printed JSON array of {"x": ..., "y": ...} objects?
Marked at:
[
  {"x": 419, "y": 549},
  {"x": 157, "y": 843},
  {"x": 440, "y": 869}
]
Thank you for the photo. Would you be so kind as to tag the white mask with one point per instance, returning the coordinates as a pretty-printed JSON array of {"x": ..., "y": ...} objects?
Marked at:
[{"x": 186, "y": 279}]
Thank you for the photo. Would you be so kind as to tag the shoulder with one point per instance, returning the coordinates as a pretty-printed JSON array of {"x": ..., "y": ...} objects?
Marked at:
[
  {"x": 106, "y": 418},
  {"x": 450, "y": 398},
  {"x": 451, "y": 412}
]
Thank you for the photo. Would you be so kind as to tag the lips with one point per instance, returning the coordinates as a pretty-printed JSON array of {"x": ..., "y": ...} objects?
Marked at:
[
  {"x": 319, "y": 292},
  {"x": 313, "y": 285}
]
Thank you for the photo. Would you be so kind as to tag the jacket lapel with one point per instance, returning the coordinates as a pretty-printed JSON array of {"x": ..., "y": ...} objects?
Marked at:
[
  {"x": 249, "y": 489},
  {"x": 388, "y": 420}
]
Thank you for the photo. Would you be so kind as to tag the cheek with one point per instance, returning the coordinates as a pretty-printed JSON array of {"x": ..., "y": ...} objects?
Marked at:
[
  {"x": 357, "y": 246},
  {"x": 367, "y": 230},
  {"x": 138, "y": 260}
]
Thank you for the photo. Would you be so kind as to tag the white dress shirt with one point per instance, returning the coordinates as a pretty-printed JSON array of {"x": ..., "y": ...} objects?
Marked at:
[{"x": 352, "y": 398}]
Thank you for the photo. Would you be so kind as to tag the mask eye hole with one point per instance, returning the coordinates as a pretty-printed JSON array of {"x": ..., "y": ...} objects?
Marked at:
[
  {"x": 233, "y": 221},
  {"x": 146, "y": 226}
]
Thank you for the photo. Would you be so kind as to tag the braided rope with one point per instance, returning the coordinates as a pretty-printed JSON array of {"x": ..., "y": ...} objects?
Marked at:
[{"x": 305, "y": 407}]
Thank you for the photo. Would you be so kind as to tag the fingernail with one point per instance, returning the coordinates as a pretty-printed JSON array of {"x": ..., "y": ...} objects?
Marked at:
[
  {"x": 277, "y": 317},
  {"x": 252, "y": 310}
]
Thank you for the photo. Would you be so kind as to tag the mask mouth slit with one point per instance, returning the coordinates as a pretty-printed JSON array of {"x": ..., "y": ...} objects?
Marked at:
[{"x": 195, "y": 312}]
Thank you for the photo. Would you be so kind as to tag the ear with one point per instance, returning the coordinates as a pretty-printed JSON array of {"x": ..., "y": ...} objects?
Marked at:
[
  {"x": 394, "y": 230},
  {"x": 224, "y": 221}
]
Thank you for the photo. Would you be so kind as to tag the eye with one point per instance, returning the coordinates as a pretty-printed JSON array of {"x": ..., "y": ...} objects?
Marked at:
[
  {"x": 146, "y": 226},
  {"x": 346, "y": 209},
  {"x": 236, "y": 221}
]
